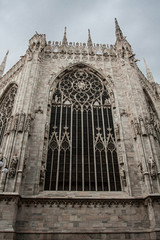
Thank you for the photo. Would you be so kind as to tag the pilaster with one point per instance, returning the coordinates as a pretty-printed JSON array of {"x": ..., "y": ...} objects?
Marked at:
[{"x": 23, "y": 115}]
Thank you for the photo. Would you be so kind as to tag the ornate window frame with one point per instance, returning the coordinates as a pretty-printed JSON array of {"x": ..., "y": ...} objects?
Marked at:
[
  {"x": 104, "y": 140},
  {"x": 6, "y": 107}
]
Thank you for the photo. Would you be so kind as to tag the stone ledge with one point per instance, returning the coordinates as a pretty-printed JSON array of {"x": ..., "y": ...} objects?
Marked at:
[
  {"x": 37, "y": 200},
  {"x": 87, "y": 232}
]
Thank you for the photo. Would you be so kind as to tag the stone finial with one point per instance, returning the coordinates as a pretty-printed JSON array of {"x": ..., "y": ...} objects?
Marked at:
[
  {"x": 64, "y": 41},
  {"x": 37, "y": 42},
  {"x": 148, "y": 72},
  {"x": 3, "y": 64},
  {"x": 89, "y": 39},
  {"x": 119, "y": 34}
]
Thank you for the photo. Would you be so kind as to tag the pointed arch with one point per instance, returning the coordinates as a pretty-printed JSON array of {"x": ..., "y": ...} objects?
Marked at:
[
  {"x": 6, "y": 106},
  {"x": 80, "y": 124},
  {"x": 56, "y": 77},
  {"x": 150, "y": 105}
]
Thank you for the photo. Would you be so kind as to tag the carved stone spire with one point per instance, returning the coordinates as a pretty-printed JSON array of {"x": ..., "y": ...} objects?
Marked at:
[
  {"x": 148, "y": 72},
  {"x": 119, "y": 34},
  {"x": 3, "y": 64},
  {"x": 89, "y": 39},
  {"x": 64, "y": 42}
]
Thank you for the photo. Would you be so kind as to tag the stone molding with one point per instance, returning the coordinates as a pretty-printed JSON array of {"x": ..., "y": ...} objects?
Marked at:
[
  {"x": 101, "y": 202},
  {"x": 10, "y": 197}
]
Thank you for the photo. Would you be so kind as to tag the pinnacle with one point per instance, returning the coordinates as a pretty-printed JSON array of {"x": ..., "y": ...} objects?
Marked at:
[
  {"x": 64, "y": 42},
  {"x": 89, "y": 38},
  {"x": 119, "y": 34},
  {"x": 3, "y": 64},
  {"x": 148, "y": 72}
]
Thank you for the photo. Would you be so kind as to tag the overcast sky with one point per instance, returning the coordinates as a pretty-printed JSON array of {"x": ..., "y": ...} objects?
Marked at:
[{"x": 138, "y": 19}]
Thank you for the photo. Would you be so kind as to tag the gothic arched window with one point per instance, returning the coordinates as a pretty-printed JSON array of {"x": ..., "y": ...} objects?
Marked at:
[
  {"x": 6, "y": 105},
  {"x": 82, "y": 150},
  {"x": 150, "y": 105},
  {"x": 152, "y": 119}
]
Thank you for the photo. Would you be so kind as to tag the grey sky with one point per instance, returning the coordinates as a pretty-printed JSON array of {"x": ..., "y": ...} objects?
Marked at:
[{"x": 138, "y": 19}]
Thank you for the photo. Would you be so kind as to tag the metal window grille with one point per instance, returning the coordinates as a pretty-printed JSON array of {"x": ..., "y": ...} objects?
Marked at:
[{"x": 82, "y": 152}]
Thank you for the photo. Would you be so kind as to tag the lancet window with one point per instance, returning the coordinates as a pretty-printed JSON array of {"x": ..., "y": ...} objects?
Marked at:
[
  {"x": 82, "y": 153},
  {"x": 152, "y": 118},
  {"x": 6, "y": 105}
]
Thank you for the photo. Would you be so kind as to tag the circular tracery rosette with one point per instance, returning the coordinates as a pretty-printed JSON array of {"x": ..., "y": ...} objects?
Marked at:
[{"x": 81, "y": 87}]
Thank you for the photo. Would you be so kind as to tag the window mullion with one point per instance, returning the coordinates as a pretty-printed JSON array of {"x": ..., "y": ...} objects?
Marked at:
[
  {"x": 76, "y": 148},
  {"x": 51, "y": 170},
  {"x": 113, "y": 171},
  {"x": 59, "y": 148},
  {"x": 89, "y": 172},
  {"x": 107, "y": 168},
  {"x": 95, "y": 169},
  {"x": 64, "y": 161},
  {"x": 106, "y": 150},
  {"x": 108, "y": 119},
  {"x": 82, "y": 148},
  {"x": 70, "y": 171},
  {"x": 101, "y": 171},
  {"x": 105, "y": 141}
]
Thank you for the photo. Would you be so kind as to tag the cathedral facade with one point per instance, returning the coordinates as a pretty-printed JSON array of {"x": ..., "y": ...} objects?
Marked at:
[{"x": 79, "y": 143}]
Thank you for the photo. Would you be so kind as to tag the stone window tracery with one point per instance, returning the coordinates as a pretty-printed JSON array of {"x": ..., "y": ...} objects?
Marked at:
[
  {"x": 152, "y": 121},
  {"x": 6, "y": 106},
  {"x": 82, "y": 152}
]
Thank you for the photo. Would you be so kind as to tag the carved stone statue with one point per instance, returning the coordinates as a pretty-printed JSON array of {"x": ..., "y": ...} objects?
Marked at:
[
  {"x": 27, "y": 127},
  {"x": 13, "y": 166},
  {"x": 151, "y": 163},
  {"x": 143, "y": 129},
  {"x": 152, "y": 168},
  {"x": 148, "y": 126},
  {"x": 46, "y": 130},
  {"x": 42, "y": 173},
  {"x": 15, "y": 122},
  {"x": 112, "y": 100},
  {"x": 123, "y": 175},
  {"x": 141, "y": 170},
  {"x": 21, "y": 122},
  {"x": 117, "y": 132},
  {"x": 136, "y": 127},
  {"x": 9, "y": 125}
]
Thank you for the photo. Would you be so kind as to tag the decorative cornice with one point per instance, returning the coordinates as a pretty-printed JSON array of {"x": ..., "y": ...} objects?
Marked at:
[
  {"x": 8, "y": 198},
  {"x": 78, "y": 202},
  {"x": 56, "y": 50}
]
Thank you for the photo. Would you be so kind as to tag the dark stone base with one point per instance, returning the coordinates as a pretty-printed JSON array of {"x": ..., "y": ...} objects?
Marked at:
[{"x": 90, "y": 236}]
